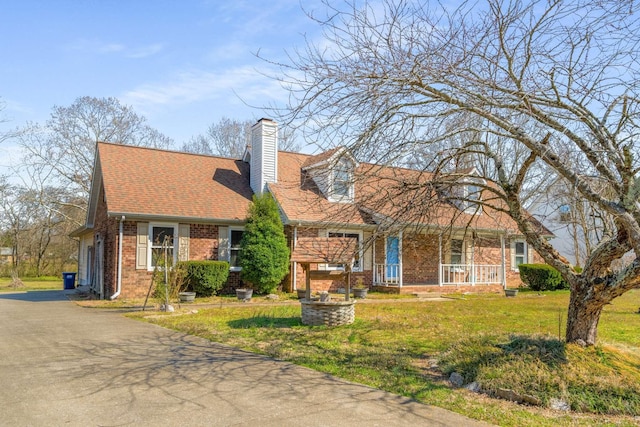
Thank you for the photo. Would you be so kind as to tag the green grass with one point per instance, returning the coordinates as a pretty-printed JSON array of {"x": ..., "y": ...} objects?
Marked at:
[
  {"x": 410, "y": 347},
  {"x": 32, "y": 284}
]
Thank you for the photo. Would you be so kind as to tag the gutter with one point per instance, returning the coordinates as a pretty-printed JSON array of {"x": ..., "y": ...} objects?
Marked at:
[
  {"x": 119, "y": 281},
  {"x": 173, "y": 218}
]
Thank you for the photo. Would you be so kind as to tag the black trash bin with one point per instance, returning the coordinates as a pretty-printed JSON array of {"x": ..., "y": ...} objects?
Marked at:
[{"x": 69, "y": 280}]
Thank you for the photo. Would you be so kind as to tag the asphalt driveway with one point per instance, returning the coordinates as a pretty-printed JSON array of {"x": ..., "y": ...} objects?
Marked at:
[{"x": 61, "y": 364}]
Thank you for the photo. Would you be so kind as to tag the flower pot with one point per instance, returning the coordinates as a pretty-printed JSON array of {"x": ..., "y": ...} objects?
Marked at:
[
  {"x": 187, "y": 296},
  {"x": 301, "y": 293},
  {"x": 511, "y": 292},
  {"x": 244, "y": 294},
  {"x": 360, "y": 292}
]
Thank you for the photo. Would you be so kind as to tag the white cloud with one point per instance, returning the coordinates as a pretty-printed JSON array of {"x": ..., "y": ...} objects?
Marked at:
[
  {"x": 189, "y": 87},
  {"x": 145, "y": 51},
  {"x": 96, "y": 46}
]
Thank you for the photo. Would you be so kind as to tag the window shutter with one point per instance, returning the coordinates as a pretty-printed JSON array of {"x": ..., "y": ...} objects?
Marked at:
[
  {"x": 142, "y": 245},
  {"x": 368, "y": 257},
  {"x": 223, "y": 243},
  {"x": 183, "y": 242},
  {"x": 512, "y": 252}
]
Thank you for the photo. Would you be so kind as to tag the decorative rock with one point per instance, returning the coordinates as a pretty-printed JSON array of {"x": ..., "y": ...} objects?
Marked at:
[
  {"x": 507, "y": 394},
  {"x": 168, "y": 308},
  {"x": 531, "y": 400},
  {"x": 559, "y": 404},
  {"x": 456, "y": 379},
  {"x": 474, "y": 387},
  {"x": 272, "y": 296}
]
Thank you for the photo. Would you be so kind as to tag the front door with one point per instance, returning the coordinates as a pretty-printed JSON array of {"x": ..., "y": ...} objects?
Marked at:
[{"x": 393, "y": 258}]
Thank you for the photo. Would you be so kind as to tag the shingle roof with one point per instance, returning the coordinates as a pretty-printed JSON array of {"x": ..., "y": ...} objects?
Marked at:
[
  {"x": 146, "y": 181},
  {"x": 160, "y": 183},
  {"x": 393, "y": 194}
]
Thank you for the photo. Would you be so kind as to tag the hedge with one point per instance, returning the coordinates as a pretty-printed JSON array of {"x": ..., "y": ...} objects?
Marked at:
[
  {"x": 205, "y": 278},
  {"x": 541, "y": 277}
]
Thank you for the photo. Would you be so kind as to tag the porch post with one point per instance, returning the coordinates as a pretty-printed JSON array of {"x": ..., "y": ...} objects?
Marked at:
[
  {"x": 440, "y": 259},
  {"x": 373, "y": 259},
  {"x": 504, "y": 267},
  {"x": 400, "y": 259},
  {"x": 473, "y": 261}
]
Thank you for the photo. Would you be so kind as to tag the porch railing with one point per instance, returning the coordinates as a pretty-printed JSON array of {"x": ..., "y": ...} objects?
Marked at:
[
  {"x": 477, "y": 274},
  {"x": 451, "y": 274},
  {"x": 387, "y": 274}
]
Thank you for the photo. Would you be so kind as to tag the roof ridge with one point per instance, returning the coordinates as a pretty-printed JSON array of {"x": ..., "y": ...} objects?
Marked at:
[{"x": 165, "y": 150}]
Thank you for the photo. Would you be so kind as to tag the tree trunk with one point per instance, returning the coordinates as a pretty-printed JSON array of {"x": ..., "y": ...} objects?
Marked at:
[{"x": 583, "y": 317}]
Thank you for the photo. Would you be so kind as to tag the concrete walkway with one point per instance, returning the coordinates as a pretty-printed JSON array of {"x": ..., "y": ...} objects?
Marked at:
[{"x": 61, "y": 364}]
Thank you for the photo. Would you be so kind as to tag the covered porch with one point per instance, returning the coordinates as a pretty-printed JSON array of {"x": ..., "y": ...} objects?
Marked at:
[{"x": 436, "y": 261}]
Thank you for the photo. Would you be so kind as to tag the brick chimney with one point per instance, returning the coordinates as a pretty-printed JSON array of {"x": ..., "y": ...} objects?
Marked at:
[{"x": 264, "y": 154}]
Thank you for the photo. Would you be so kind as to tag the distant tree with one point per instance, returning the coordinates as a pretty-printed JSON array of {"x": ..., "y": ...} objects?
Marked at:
[
  {"x": 56, "y": 172},
  {"x": 229, "y": 138},
  {"x": 66, "y": 143},
  {"x": 522, "y": 86},
  {"x": 264, "y": 253}
]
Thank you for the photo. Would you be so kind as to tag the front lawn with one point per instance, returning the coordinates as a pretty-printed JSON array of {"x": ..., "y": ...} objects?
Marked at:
[
  {"x": 410, "y": 347},
  {"x": 31, "y": 284}
]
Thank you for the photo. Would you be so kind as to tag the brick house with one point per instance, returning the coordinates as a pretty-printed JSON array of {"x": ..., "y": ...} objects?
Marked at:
[{"x": 198, "y": 203}]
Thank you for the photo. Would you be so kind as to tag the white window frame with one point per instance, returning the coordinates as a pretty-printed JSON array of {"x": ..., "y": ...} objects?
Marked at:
[
  {"x": 343, "y": 165},
  {"x": 152, "y": 246},
  {"x": 472, "y": 205},
  {"x": 360, "y": 234},
  {"x": 463, "y": 251},
  {"x": 229, "y": 249},
  {"x": 514, "y": 255},
  {"x": 564, "y": 213}
]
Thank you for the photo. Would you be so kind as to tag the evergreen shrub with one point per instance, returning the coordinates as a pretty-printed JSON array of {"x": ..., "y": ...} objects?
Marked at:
[
  {"x": 205, "y": 278},
  {"x": 264, "y": 253},
  {"x": 541, "y": 277}
]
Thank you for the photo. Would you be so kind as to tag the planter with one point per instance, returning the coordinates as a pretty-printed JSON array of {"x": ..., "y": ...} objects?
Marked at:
[
  {"x": 301, "y": 293},
  {"x": 360, "y": 293},
  {"x": 511, "y": 292},
  {"x": 330, "y": 313},
  {"x": 244, "y": 294},
  {"x": 187, "y": 296}
]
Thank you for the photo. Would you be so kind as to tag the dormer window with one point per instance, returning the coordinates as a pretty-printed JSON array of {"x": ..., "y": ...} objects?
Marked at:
[
  {"x": 342, "y": 184},
  {"x": 472, "y": 196},
  {"x": 333, "y": 172}
]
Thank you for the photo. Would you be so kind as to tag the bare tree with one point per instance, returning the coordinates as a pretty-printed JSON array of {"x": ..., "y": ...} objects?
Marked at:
[
  {"x": 66, "y": 143},
  {"x": 554, "y": 81},
  {"x": 229, "y": 137}
]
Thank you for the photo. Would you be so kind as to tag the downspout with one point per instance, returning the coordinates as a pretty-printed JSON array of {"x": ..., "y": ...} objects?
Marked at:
[
  {"x": 504, "y": 262},
  {"x": 295, "y": 264},
  {"x": 400, "y": 258},
  {"x": 440, "y": 259},
  {"x": 119, "y": 280}
]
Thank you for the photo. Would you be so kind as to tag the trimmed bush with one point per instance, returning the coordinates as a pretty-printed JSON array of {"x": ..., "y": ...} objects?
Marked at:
[
  {"x": 541, "y": 277},
  {"x": 264, "y": 254},
  {"x": 205, "y": 278}
]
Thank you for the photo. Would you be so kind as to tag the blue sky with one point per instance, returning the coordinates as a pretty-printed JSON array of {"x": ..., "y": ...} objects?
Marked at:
[{"x": 183, "y": 64}]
